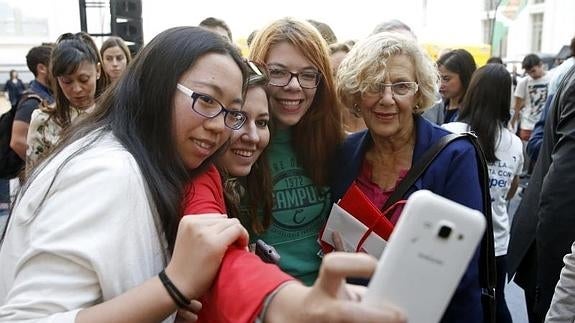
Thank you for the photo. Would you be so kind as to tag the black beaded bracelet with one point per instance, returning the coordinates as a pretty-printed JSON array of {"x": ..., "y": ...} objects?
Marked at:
[{"x": 180, "y": 299}]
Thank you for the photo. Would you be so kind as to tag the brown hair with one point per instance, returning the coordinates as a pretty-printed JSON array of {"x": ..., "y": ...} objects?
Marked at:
[
  {"x": 316, "y": 136},
  {"x": 114, "y": 41},
  {"x": 257, "y": 186}
]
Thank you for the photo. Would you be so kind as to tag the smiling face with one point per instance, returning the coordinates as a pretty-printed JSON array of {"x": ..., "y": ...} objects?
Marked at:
[
  {"x": 79, "y": 87},
  {"x": 451, "y": 86},
  {"x": 385, "y": 116},
  {"x": 289, "y": 103},
  {"x": 197, "y": 137},
  {"x": 115, "y": 62},
  {"x": 248, "y": 142}
]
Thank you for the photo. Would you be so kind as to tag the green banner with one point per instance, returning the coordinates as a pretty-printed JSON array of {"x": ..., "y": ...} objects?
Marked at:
[{"x": 505, "y": 14}]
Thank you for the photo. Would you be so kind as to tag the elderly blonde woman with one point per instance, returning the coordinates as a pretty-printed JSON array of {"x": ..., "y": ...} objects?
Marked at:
[{"x": 387, "y": 79}]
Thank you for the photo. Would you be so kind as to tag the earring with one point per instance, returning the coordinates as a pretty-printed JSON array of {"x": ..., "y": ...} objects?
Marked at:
[{"x": 356, "y": 111}]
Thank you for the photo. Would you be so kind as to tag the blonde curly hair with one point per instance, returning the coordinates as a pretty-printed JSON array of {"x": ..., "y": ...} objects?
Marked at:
[{"x": 365, "y": 65}]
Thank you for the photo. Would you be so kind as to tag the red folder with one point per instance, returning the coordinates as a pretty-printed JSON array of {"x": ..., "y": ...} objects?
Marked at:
[{"x": 356, "y": 203}]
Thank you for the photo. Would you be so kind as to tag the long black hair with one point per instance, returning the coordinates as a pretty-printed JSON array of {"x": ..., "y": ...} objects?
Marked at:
[
  {"x": 139, "y": 112},
  {"x": 485, "y": 107}
]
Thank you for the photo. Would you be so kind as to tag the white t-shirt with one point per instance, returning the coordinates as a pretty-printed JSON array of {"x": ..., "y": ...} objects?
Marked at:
[
  {"x": 509, "y": 153},
  {"x": 534, "y": 94}
]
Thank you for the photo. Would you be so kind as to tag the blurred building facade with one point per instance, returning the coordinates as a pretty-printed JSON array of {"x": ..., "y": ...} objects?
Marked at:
[
  {"x": 25, "y": 24},
  {"x": 515, "y": 28},
  {"x": 512, "y": 28}
]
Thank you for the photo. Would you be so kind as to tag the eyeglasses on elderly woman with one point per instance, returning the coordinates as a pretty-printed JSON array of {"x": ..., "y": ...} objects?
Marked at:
[{"x": 398, "y": 90}]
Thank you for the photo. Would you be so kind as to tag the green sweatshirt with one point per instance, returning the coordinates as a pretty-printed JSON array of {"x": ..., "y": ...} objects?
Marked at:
[{"x": 299, "y": 212}]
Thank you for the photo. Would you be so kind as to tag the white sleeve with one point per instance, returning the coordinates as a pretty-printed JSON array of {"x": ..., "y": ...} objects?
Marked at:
[
  {"x": 562, "y": 309},
  {"x": 520, "y": 90},
  {"x": 92, "y": 239}
]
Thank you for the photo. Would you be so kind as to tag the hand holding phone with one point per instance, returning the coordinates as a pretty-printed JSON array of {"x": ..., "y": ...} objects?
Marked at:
[{"x": 427, "y": 254}]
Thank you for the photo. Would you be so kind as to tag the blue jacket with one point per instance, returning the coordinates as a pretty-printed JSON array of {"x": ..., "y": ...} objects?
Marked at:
[{"x": 453, "y": 174}]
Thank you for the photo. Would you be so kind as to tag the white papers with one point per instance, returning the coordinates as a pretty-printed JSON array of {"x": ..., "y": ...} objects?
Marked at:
[{"x": 351, "y": 231}]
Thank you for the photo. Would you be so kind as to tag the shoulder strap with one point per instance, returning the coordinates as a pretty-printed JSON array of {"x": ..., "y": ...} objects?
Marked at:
[
  {"x": 487, "y": 269},
  {"x": 488, "y": 266},
  {"x": 415, "y": 172}
]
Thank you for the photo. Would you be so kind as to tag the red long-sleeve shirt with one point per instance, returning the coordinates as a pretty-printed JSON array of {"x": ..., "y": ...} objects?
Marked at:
[{"x": 243, "y": 282}]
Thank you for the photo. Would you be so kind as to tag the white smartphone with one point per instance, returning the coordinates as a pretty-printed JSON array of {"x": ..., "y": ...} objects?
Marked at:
[{"x": 426, "y": 256}]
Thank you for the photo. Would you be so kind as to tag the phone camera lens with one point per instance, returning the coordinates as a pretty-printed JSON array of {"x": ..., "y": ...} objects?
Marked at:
[{"x": 444, "y": 232}]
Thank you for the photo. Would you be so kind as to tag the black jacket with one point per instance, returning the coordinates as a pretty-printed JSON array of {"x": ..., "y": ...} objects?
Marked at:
[{"x": 546, "y": 215}]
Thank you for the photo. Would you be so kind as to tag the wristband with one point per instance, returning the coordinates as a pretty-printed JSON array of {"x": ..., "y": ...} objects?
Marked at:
[{"x": 180, "y": 299}]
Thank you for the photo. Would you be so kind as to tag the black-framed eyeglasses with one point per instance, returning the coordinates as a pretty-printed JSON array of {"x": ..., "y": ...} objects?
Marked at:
[
  {"x": 398, "y": 90},
  {"x": 208, "y": 107},
  {"x": 282, "y": 77}
]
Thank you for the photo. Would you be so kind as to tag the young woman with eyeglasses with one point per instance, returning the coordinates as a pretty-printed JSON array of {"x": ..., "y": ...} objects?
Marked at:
[
  {"x": 388, "y": 79},
  {"x": 307, "y": 131},
  {"x": 242, "y": 165},
  {"x": 97, "y": 235}
]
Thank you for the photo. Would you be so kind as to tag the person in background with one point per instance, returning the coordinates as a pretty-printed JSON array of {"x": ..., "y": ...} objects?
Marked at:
[
  {"x": 494, "y": 60},
  {"x": 530, "y": 96},
  {"x": 455, "y": 70},
  {"x": 485, "y": 111},
  {"x": 352, "y": 121},
  {"x": 543, "y": 227},
  {"x": 325, "y": 30},
  {"x": 390, "y": 80},
  {"x": 218, "y": 26},
  {"x": 14, "y": 88},
  {"x": 337, "y": 53},
  {"x": 157, "y": 140},
  {"x": 38, "y": 61},
  {"x": 536, "y": 138},
  {"x": 75, "y": 67},
  {"x": 251, "y": 37},
  {"x": 394, "y": 25},
  {"x": 115, "y": 57},
  {"x": 307, "y": 131}
]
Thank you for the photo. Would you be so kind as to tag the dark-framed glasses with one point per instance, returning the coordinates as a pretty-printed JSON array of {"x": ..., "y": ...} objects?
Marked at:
[
  {"x": 398, "y": 90},
  {"x": 282, "y": 77},
  {"x": 208, "y": 107}
]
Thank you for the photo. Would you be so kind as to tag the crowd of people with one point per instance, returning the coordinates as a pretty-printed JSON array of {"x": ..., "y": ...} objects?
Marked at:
[{"x": 144, "y": 182}]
